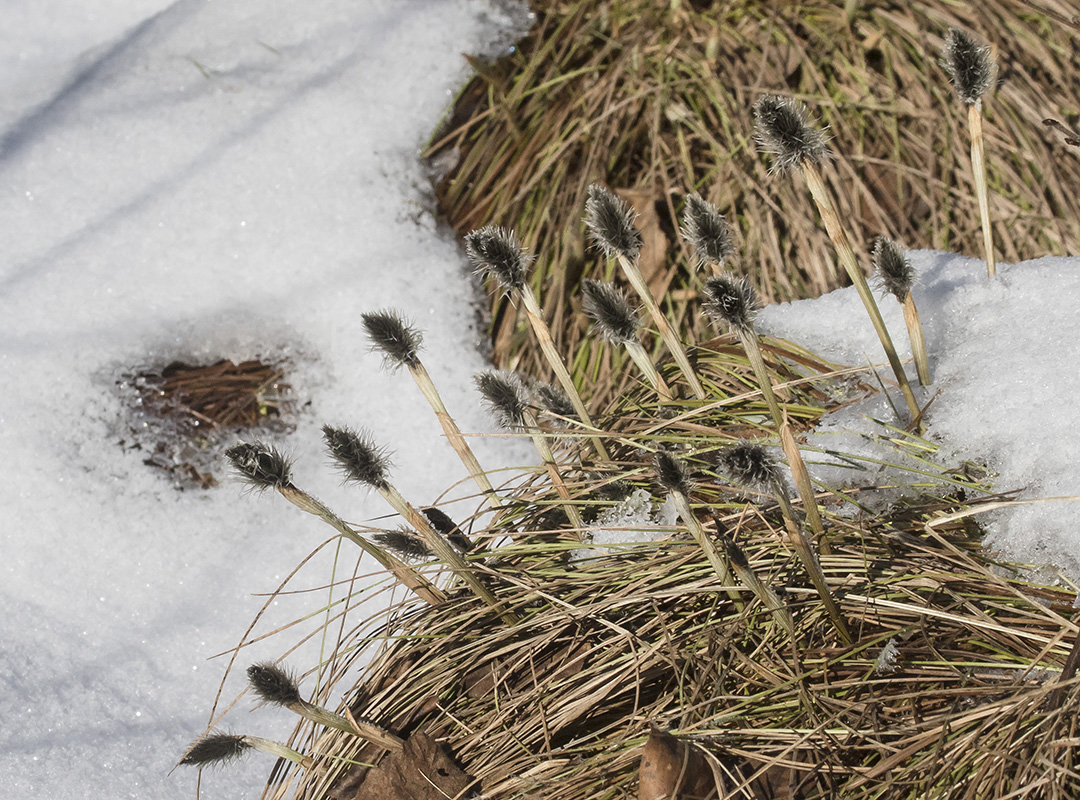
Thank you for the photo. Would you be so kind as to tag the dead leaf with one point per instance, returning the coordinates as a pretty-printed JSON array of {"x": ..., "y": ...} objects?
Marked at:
[
  {"x": 672, "y": 770},
  {"x": 423, "y": 770},
  {"x": 653, "y": 259}
]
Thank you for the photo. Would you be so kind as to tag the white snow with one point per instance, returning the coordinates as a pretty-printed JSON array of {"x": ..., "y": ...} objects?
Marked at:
[
  {"x": 200, "y": 180},
  {"x": 1003, "y": 357}
]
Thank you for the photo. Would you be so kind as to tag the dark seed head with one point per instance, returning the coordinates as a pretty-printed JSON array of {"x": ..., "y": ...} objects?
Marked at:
[
  {"x": 707, "y": 230},
  {"x": 496, "y": 253},
  {"x": 611, "y": 223},
  {"x": 273, "y": 684},
  {"x": 611, "y": 313},
  {"x": 442, "y": 523},
  {"x": 217, "y": 748},
  {"x": 260, "y": 465},
  {"x": 357, "y": 456},
  {"x": 404, "y": 542},
  {"x": 506, "y": 396},
  {"x": 730, "y": 300},
  {"x": 734, "y": 553},
  {"x": 750, "y": 465},
  {"x": 782, "y": 127},
  {"x": 553, "y": 400},
  {"x": 893, "y": 268},
  {"x": 672, "y": 473},
  {"x": 968, "y": 65},
  {"x": 393, "y": 337}
]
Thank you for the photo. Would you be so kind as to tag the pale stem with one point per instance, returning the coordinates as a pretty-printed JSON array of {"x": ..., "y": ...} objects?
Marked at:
[
  {"x": 442, "y": 549},
  {"x": 633, "y": 274},
  {"x": 804, "y": 487},
  {"x": 918, "y": 341},
  {"x": 978, "y": 167},
  {"x": 648, "y": 369},
  {"x": 847, "y": 258},
  {"x": 453, "y": 433},
  {"x": 365, "y": 730},
  {"x": 547, "y": 345},
  {"x": 279, "y": 750},
  {"x": 548, "y": 457},
  {"x": 719, "y": 563},
  {"x": 408, "y": 576},
  {"x": 752, "y": 345},
  {"x": 766, "y": 595},
  {"x": 805, "y": 552}
]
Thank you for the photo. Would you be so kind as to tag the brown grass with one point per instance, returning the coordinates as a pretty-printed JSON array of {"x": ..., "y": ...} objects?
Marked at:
[{"x": 656, "y": 102}]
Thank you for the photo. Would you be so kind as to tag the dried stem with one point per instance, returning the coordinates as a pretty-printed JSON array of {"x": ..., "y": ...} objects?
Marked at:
[
  {"x": 918, "y": 341},
  {"x": 978, "y": 167},
  {"x": 648, "y": 369},
  {"x": 532, "y": 425},
  {"x": 847, "y": 257},
  {"x": 804, "y": 487}
]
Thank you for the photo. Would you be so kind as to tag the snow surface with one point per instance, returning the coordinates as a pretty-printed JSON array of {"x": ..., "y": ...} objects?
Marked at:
[
  {"x": 195, "y": 180},
  {"x": 1003, "y": 354}
]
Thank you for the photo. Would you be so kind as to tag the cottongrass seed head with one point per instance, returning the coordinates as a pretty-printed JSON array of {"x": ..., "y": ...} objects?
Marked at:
[
  {"x": 392, "y": 336},
  {"x": 615, "y": 320},
  {"x": 553, "y": 400},
  {"x": 273, "y": 684},
  {"x": 217, "y": 748},
  {"x": 969, "y": 66},
  {"x": 730, "y": 300},
  {"x": 404, "y": 542},
  {"x": 672, "y": 473},
  {"x": 892, "y": 267},
  {"x": 506, "y": 396},
  {"x": 750, "y": 465},
  {"x": 358, "y": 457},
  {"x": 496, "y": 252},
  {"x": 260, "y": 465},
  {"x": 708, "y": 231},
  {"x": 782, "y": 127},
  {"x": 611, "y": 223}
]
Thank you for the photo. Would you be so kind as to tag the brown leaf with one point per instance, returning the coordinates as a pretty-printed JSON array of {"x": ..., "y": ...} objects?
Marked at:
[
  {"x": 654, "y": 249},
  {"x": 672, "y": 770},
  {"x": 423, "y": 770}
]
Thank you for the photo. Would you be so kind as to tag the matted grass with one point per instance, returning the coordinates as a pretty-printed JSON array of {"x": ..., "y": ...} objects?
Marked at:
[
  {"x": 976, "y": 702},
  {"x": 654, "y": 99}
]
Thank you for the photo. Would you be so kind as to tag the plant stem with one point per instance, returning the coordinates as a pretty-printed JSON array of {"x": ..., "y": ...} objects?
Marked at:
[
  {"x": 978, "y": 166},
  {"x": 644, "y": 363},
  {"x": 548, "y": 457},
  {"x": 443, "y": 550},
  {"x": 918, "y": 341},
  {"x": 453, "y": 434},
  {"x": 804, "y": 487},
  {"x": 408, "y": 576},
  {"x": 547, "y": 345},
  {"x": 365, "y": 730},
  {"x": 633, "y": 274},
  {"x": 766, "y": 595},
  {"x": 279, "y": 750},
  {"x": 752, "y": 345},
  {"x": 719, "y": 563},
  {"x": 847, "y": 257}
]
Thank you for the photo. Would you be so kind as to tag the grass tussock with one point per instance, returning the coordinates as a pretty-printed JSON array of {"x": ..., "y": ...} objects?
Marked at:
[
  {"x": 954, "y": 685},
  {"x": 653, "y": 100}
]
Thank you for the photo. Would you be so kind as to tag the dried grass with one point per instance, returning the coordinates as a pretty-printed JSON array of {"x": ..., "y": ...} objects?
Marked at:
[
  {"x": 656, "y": 102},
  {"x": 560, "y": 705}
]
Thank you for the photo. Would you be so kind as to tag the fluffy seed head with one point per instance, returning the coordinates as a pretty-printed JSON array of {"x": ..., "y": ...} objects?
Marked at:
[
  {"x": 357, "y": 456},
  {"x": 893, "y": 268},
  {"x": 750, "y": 465},
  {"x": 782, "y": 127},
  {"x": 734, "y": 553},
  {"x": 611, "y": 313},
  {"x": 506, "y": 396},
  {"x": 554, "y": 400},
  {"x": 968, "y": 65},
  {"x": 495, "y": 252},
  {"x": 672, "y": 473},
  {"x": 611, "y": 223},
  {"x": 273, "y": 684},
  {"x": 260, "y": 465},
  {"x": 403, "y": 542},
  {"x": 731, "y": 300},
  {"x": 217, "y": 748},
  {"x": 442, "y": 523},
  {"x": 707, "y": 230},
  {"x": 393, "y": 337}
]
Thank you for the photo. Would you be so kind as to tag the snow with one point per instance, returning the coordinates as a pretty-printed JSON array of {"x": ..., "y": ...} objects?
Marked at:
[
  {"x": 201, "y": 180},
  {"x": 197, "y": 180},
  {"x": 1003, "y": 355}
]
